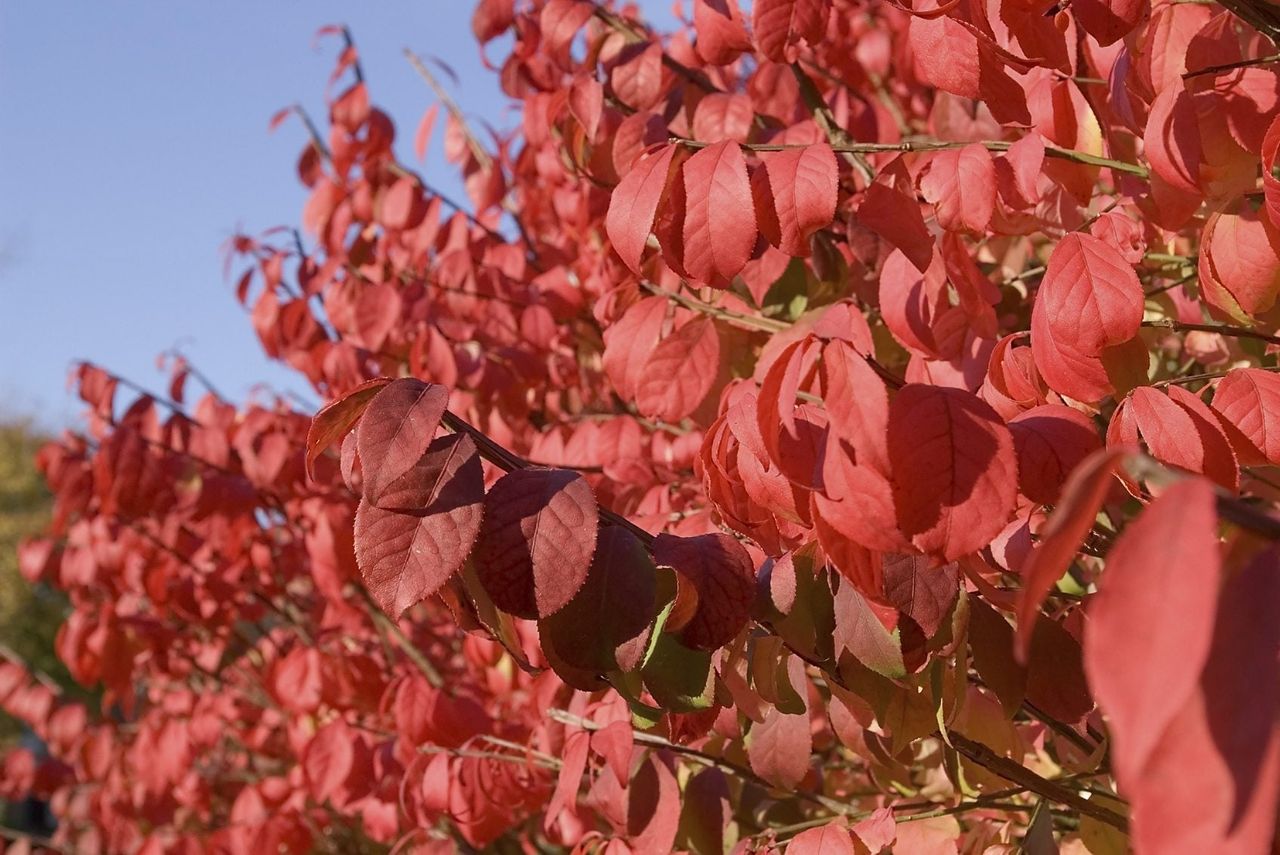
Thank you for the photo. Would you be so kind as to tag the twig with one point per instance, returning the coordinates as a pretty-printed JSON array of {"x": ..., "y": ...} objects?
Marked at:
[
  {"x": 452, "y": 106},
  {"x": 634, "y": 35},
  {"x": 1221, "y": 329},
  {"x": 1212, "y": 375},
  {"x": 509, "y": 462},
  {"x": 1232, "y": 66},
  {"x": 1024, "y": 777},
  {"x": 40, "y": 677},
  {"x": 655, "y": 741},
  {"x": 755, "y": 324},
  {"x": 908, "y": 146},
  {"x": 826, "y": 120},
  {"x": 412, "y": 653}
]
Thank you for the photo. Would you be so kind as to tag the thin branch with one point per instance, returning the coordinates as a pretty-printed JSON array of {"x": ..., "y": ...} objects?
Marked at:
[
  {"x": 826, "y": 121},
  {"x": 406, "y": 645},
  {"x": 908, "y": 146},
  {"x": 634, "y": 35},
  {"x": 755, "y": 324},
  {"x": 1024, "y": 777},
  {"x": 1221, "y": 329},
  {"x": 1232, "y": 66},
  {"x": 655, "y": 741},
  {"x": 39, "y": 676},
  {"x": 509, "y": 462},
  {"x": 452, "y": 106}
]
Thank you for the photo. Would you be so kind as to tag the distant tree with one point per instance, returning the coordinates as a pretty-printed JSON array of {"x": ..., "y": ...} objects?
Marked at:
[{"x": 30, "y": 614}]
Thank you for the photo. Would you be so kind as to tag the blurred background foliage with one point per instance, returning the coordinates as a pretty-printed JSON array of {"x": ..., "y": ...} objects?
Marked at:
[{"x": 29, "y": 614}]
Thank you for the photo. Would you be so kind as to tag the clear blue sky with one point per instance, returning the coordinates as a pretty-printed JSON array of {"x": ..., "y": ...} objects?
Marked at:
[{"x": 133, "y": 142}]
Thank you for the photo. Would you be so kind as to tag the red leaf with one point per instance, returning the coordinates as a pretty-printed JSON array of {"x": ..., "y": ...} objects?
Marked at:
[
  {"x": 621, "y": 583},
  {"x": 920, "y": 591},
  {"x": 395, "y": 431},
  {"x": 653, "y": 806},
  {"x": 1178, "y": 429},
  {"x": 614, "y": 743},
  {"x": 629, "y": 342},
  {"x": 722, "y": 36},
  {"x": 895, "y": 216},
  {"x": 1270, "y": 183},
  {"x": 586, "y": 100},
  {"x": 964, "y": 61},
  {"x": 1172, "y": 139},
  {"x": 803, "y": 184},
  {"x": 1110, "y": 20},
  {"x": 573, "y": 767},
  {"x": 961, "y": 186},
  {"x": 1210, "y": 784},
  {"x": 830, "y": 839},
  {"x": 719, "y": 230},
  {"x": 1051, "y": 440},
  {"x": 723, "y": 575},
  {"x": 328, "y": 759},
  {"x": 679, "y": 372},
  {"x": 954, "y": 470},
  {"x": 720, "y": 116},
  {"x": 636, "y": 79},
  {"x": 634, "y": 204},
  {"x": 857, "y": 404},
  {"x": 1149, "y": 635},
  {"x": 780, "y": 26},
  {"x": 1239, "y": 265},
  {"x": 560, "y": 21},
  {"x": 335, "y": 418},
  {"x": 423, "y": 135},
  {"x": 376, "y": 313},
  {"x": 779, "y": 747},
  {"x": 536, "y": 541},
  {"x": 1089, "y": 302},
  {"x": 406, "y": 555},
  {"x": 1061, "y": 537},
  {"x": 1248, "y": 400},
  {"x": 491, "y": 19}
]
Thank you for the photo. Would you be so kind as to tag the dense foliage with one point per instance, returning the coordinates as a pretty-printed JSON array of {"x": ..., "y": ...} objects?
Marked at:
[{"x": 836, "y": 424}]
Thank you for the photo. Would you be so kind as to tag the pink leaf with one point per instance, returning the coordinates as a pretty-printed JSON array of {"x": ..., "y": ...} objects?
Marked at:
[
  {"x": 803, "y": 183},
  {"x": 634, "y": 204},
  {"x": 1089, "y": 302},
  {"x": 1149, "y": 634},
  {"x": 961, "y": 186},
  {"x": 719, "y": 230}
]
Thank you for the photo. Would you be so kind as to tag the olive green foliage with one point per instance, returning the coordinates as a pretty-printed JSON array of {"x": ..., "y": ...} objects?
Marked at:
[{"x": 29, "y": 615}]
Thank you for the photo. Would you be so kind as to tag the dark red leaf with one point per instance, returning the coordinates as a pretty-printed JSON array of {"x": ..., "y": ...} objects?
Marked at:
[
  {"x": 536, "y": 541},
  {"x": 395, "y": 430},
  {"x": 408, "y": 553},
  {"x": 723, "y": 575}
]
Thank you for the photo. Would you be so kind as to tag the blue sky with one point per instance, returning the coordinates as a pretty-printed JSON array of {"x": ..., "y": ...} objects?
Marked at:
[{"x": 134, "y": 141}]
